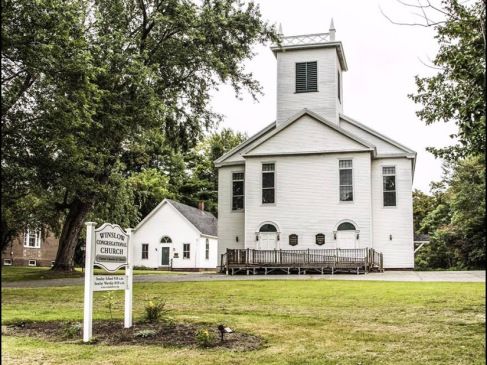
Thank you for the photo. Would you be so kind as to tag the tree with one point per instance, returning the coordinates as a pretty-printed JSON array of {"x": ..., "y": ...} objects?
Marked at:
[
  {"x": 202, "y": 184},
  {"x": 456, "y": 224},
  {"x": 95, "y": 77},
  {"x": 423, "y": 204},
  {"x": 457, "y": 92}
]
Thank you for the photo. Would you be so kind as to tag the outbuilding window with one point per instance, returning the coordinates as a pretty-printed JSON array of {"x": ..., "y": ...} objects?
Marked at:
[
  {"x": 268, "y": 183},
  {"x": 389, "y": 186},
  {"x": 306, "y": 77},
  {"x": 237, "y": 190},
  {"x": 293, "y": 239},
  {"x": 186, "y": 251},
  {"x": 145, "y": 251},
  {"x": 207, "y": 249}
]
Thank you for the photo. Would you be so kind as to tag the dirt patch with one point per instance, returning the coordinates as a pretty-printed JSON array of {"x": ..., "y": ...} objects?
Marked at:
[{"x": 113, "y": 333}]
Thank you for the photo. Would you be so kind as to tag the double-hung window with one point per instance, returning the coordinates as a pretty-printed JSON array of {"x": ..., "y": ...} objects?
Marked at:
[
  {"x": 145, "y": 251},
  {"x": 207, "y": 249},
  {"x": 32, "y": 238},
  {"x": 346, "y": 185},
  {"x": 268, "y": 183},
  {"x": 186, "y": 252},
  {"x": 237, "y": 190},
  {"x": 306, "y": 77},
  {"x": 389, "y": 185}
]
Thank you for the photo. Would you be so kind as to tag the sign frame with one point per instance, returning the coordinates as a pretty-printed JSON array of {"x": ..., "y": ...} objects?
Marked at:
[{"x": 89, "y": 277}]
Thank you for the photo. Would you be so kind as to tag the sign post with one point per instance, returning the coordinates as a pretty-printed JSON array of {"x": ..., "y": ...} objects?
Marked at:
[
  {"x": 129, "y": 273},
  {"x": 110, "y": 248},
  {"x": 88, "y": 303}
]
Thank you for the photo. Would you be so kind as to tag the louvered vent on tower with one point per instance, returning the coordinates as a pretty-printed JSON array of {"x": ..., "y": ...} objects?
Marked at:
[{"x": 306, "y": 77}]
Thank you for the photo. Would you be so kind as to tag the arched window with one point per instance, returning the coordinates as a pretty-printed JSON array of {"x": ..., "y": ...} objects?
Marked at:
[
  {"x": 268, "y": 228},
  {"x": 166, "y": 239},
  {"x": 320, "y": 239},
  {"x": 293, "y": 239},
  {"x": 346, "y": 226}
]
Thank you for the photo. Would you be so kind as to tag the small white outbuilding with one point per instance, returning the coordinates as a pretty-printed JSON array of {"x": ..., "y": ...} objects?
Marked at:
[{"x": 176, "y": 236}]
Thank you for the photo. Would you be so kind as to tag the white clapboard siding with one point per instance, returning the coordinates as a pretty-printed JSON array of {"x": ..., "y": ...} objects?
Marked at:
[
  {"x": 396, "y": 221},
  {"x": 383, "y": 147},
  {"x": 306, "y": 135},
  {"x": 231, "y": 224},
  {"x": 324, "y": 101},
  {"x": 307, "y": 198}
]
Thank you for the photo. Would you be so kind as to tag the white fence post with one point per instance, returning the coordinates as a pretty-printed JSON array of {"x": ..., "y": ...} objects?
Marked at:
[
  {"x": 88, "y": 299},
  {"x": 129, "y": 273}
]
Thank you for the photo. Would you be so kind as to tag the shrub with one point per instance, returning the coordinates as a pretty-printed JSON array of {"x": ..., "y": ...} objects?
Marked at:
[
  {"x": 145, "y": 333},
  {"x": 155, "y": 310},
  {"x": 109, "y": 302},
  {"x": 71, "y": 330},
  {"x": 205, "y": 338}
]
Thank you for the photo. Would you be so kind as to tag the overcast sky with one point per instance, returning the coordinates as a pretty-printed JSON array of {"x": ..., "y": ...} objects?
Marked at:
[{"x": 382, "y": 58}]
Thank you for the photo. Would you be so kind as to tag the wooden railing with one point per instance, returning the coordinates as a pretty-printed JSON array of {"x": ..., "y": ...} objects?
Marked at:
[{"x": 366, "y": 258}]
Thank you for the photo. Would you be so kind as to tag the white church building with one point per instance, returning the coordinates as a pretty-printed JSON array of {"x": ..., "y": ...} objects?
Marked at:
[{"x": 316, "y": 178}]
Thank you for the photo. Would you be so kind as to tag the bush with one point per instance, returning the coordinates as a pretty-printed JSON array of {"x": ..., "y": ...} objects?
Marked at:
[
  {"x": 205, "y": 337},
  {"x": 155, "y": 310},
  {"x": 72, "y": 329},
  {"x": 145, "y": 333}
]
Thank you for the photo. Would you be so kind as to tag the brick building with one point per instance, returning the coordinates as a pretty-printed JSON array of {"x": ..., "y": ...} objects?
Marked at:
[{"x": 32, "y": 248}]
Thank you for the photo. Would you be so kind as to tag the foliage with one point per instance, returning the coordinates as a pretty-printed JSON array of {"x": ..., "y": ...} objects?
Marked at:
[
  {"x": 204, "y": 337},
  {"x": 109, "y": 300},
  {"x": 457, "y": 92},
  {"x": 202, "y": 183},
  {"x": 71, "y": 330},
  {"x": 155, "y": 310},
  {"x": 90, "y": 88},
  {"x": 455, "y": 218},
  {"x": 145, "y": 333}
]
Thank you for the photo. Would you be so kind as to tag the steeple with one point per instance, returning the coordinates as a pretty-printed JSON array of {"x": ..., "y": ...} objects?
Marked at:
[{"x": 309, "y": 74}]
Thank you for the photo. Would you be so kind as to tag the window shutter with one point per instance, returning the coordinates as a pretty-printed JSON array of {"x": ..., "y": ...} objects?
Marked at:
[
  {"x": 312, "y": 72},
  {"x": 301, "y": 77}
]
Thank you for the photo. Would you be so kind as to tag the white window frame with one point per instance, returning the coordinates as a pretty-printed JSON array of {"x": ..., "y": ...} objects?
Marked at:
[
  {"x": 262, "y": 182},
  {"x": 243, "y": 195},
  {"x": 32, "y": 263},
  {"x": 37, "y": 238},
  {"x": 142, "y": 251},
  {"x": 339, "y": 184},
  {"x": 389, "y": 191},
  {"x": 7, "y": 262},
  {"x": 207, "y": 249},
  {"x": 186, "y": 251}
]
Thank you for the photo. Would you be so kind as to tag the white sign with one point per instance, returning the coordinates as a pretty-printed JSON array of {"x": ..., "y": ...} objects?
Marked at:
[
  {"x": 109, "y": 282},
  {"x": 111, "y": 247}
]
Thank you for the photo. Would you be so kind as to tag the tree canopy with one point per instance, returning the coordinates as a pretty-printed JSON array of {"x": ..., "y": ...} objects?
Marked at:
[{"x": 90, "y": 89}]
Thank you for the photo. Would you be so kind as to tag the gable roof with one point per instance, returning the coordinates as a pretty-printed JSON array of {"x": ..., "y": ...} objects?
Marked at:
[
  {"x": 303, "y": 112},
  {"x": 203, "y": 221},
  {"x": 377, "y": 134},
  {"x": 219, "y": 161}
]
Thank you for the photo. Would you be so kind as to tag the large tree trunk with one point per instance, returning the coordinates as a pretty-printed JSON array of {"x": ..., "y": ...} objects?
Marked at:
[{"x": 69, "y": 235}]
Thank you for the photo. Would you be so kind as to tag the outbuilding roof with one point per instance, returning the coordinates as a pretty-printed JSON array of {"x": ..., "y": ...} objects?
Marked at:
[{"x": 204, "y": 221}]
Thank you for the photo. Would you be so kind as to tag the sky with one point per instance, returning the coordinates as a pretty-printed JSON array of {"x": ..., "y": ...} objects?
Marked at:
[{"x": 383, "y": 59}]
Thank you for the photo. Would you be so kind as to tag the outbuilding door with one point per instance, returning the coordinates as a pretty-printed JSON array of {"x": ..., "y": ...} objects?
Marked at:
[
  {"x": 346, "y": 239},
  {"x": 164, "y": 256}
]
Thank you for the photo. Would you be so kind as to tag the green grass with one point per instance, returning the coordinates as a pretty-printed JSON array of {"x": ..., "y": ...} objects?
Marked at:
[
  {"x": 303, "y": 322},
  {"x": 22, "y": 273}
]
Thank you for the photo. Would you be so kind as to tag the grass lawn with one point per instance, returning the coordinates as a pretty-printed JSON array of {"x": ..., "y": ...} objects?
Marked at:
[
  {"x": 21, "y": 273},
  {"x": 303, "y": 322}
]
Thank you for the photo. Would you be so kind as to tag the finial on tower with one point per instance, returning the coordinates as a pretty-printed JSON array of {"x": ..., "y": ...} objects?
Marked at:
[
  {"x": 332, "y": 30},
  {"x": 280, "y": 30}
]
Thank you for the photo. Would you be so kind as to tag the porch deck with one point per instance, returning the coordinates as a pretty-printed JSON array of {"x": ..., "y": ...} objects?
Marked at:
[{"x": 250, "y": 261}]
